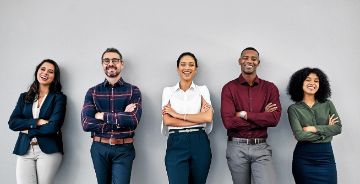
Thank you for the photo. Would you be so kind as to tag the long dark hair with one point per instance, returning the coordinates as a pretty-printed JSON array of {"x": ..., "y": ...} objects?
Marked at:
[{"x": 55, "y": 86}]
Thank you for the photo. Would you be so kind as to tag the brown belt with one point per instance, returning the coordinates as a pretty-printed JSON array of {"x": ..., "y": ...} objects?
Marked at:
[
  {"x": 113, "y": 141},
  {"x": 33, "y": 143}
]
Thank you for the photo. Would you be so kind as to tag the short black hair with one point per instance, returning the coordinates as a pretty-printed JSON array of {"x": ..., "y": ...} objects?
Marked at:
[
  {"x": 111, "y": 50},
  {"x": 250, "y": 48},
  {"x": 295, "y": 86},
  {"x": 186, "y": 54}
]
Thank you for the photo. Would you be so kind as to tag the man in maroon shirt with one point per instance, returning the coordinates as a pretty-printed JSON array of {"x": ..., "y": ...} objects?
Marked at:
[{"x": 249, "y": 105}]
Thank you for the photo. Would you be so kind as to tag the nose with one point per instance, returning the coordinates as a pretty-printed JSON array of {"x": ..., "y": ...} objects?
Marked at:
[{"x": 248, "y": 60}]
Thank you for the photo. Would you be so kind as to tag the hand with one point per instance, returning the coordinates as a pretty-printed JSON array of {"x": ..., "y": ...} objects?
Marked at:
[
  {"x": 310, "y": 129},
  {"x": 41, "y": 122},
  {"x": 131, "y": 107},
  {"x": 333, "y": 120},
  {"x": 99, "y": 116},
  {"x": 168, "y": 110},
  {"x": 25, "y": 131},
  {"x": 270, "y": 107},
  {"x": 205, "y": 107}
]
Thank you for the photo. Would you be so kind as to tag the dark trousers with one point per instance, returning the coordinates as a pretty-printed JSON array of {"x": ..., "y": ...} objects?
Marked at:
[
  {"x": 314, "y": 163},
  {"x": 112, "y": 163},
  {"x": 188, "y": 158}
]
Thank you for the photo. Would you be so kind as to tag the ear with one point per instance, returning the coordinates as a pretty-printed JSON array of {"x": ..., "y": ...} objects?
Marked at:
[{"x": 122, "y": 64}]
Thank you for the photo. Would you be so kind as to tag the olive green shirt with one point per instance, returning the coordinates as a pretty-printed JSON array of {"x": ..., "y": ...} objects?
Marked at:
[{"x": 301, "y": 115}]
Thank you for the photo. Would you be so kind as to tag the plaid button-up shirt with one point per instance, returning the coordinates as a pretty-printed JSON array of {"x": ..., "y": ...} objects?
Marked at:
[{"x": 112, "y": 100}]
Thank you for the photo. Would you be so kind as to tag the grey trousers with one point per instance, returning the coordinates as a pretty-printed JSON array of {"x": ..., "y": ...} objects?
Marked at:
[
  {"x": 36, "y": 167},
  {"x": 250, "y": 162}
]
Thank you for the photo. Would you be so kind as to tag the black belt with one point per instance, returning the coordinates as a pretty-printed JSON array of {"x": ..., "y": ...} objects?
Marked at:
[
  {"x": 186, "y": 130},
  {"x": 250, "y": 141}
]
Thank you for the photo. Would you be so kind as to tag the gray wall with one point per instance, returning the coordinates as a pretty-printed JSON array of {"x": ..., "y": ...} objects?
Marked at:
[{"x": 151, "y": 35}]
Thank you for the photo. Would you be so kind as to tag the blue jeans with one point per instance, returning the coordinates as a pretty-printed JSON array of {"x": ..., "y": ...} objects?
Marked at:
[
  {"x": 188, "y": 158},
  {"x": 112, "y": 163}
]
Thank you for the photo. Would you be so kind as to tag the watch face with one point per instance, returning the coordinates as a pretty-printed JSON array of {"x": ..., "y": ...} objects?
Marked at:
[{"x": 242, "y": 114}]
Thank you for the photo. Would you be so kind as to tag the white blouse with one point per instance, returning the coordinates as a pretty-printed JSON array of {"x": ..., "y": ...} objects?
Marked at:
[
  {"x": 36, "y": 112},
  {"x": 185, "y": 102}
]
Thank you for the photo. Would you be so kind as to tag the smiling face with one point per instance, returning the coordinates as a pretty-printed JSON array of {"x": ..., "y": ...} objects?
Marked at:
[
  {"x": 46, "y": 74},
  {"x": 187, "y": 68},
  {"x": 249, "y": 61},
  {"x": 112, "y": 64},
  {"x": 311, "y": 84}
]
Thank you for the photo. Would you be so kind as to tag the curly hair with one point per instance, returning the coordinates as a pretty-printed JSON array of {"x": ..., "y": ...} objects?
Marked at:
[
  {"x": 295, "y": 86},
  {"x": 55, "y": 86}
]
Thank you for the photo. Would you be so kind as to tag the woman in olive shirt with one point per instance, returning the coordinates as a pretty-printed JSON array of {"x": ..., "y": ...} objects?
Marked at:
[{"x": 314, "y": 121}]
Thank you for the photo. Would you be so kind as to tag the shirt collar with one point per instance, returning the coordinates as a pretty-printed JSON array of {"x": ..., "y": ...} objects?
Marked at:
[
  {"x": 118, "y": 83},
  {"x": 244, "y": 82},
  {"x": 177, "y": 86},
  {"x": 306, "y": 106}
]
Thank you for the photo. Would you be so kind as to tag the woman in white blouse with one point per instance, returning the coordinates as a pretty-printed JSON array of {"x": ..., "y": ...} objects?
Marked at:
[{"x": 187, "y": 119}]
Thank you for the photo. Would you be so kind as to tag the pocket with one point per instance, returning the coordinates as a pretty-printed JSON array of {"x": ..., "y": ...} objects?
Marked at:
[
  {"x": 266, "y": 148},
  {"x": 229, "y": 149}
]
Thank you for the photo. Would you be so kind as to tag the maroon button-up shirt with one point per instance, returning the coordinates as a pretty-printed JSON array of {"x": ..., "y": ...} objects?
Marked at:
[{"x": 237, "y": 95}]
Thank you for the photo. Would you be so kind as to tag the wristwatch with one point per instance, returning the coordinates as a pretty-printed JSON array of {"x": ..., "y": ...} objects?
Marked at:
[{"x": 242, "y": 114}]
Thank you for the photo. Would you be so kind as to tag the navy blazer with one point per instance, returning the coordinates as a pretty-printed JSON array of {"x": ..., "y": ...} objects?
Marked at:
[{"x": 49, "y": 135}]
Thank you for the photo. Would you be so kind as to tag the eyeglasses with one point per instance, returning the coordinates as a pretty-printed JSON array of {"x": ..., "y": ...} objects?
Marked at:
[{"x": 115, "y": 61}]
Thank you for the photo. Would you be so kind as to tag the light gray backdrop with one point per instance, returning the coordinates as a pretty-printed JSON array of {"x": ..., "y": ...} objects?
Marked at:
[{"x": 151, "y": 34}]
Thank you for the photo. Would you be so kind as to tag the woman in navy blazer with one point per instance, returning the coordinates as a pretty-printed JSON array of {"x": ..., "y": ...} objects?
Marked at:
[{"x": 38, "y": 117}]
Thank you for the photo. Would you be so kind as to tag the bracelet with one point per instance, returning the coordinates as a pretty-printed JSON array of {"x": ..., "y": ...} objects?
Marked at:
[{"x": 185, "y": 117}]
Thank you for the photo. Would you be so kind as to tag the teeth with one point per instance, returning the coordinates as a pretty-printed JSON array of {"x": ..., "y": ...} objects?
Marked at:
[{"x": 311, "y": 87}]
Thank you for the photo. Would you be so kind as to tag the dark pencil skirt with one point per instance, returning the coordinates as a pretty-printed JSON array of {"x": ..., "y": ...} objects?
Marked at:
[{"x": 314, "y": 163}]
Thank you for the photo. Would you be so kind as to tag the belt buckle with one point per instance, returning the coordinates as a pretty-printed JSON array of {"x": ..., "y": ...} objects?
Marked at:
[
  {"x": 250, "y": 141},
  {"x": 110, "y": 142}
]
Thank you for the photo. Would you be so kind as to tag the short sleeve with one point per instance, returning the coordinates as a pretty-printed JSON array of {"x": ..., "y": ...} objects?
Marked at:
[
  {"x": 166, "y": 95},
  {"x": 204, "y": 91}
]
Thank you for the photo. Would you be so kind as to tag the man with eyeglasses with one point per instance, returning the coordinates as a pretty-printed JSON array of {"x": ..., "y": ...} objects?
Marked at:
[{"x": 111, "y": 112}]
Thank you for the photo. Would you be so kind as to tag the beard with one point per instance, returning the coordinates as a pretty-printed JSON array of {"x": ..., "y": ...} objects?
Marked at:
[{"x": 113, "y": 73}]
